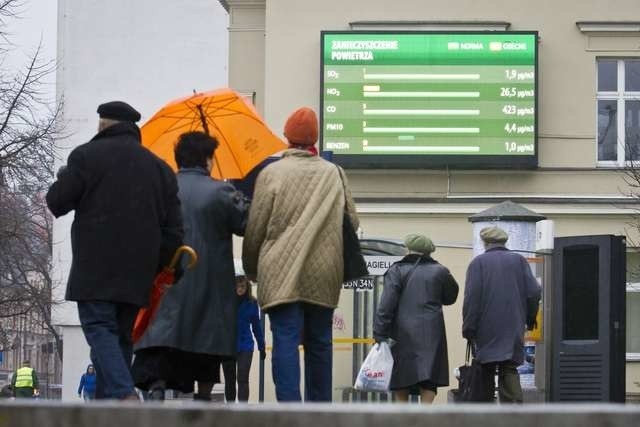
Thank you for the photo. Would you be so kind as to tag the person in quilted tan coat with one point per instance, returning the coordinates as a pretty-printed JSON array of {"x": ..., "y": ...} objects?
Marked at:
[{"x": 293, "y": 248}]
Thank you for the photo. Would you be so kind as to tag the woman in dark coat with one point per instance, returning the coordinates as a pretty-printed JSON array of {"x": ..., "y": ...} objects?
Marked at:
[
  {"x": 194, "y": 329},
  {"x": 410, "y": 313}
]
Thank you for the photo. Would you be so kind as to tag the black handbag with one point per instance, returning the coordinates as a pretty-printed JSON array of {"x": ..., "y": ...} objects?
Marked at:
[
  {"x": 354, "y": 264},
  {"x": 470, "y": 385}
]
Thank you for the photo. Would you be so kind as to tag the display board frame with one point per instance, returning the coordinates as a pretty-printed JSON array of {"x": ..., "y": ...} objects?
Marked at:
[{"x": 430, "y": 161}]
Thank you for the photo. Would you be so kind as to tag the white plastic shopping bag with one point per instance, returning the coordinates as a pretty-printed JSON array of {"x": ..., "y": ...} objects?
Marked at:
[{"x": 375, "y": 372}]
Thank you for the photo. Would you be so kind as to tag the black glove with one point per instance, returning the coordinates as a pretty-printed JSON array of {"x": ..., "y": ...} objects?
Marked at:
[
  {"x": 61, "y": 171},
  {"x": 532, "y": 313},
  {"x": 379, "y": 340},
  {"x": 469, "y": 334},
  {"x": 263, "y": 354}
]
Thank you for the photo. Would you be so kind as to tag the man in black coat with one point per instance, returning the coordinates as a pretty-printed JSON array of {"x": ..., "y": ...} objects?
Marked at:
[
  {"x": 127, "y": 225},
  {"x": 501, "y": 297}
]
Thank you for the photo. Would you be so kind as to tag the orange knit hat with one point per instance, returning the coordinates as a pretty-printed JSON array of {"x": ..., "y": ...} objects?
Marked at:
[{"x": 302, "y": 127}]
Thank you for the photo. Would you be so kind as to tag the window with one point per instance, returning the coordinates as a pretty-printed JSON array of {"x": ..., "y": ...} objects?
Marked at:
[
  {"x": 618, "y": 102},
  {"x": 249, "y": 96},
  {"x": 633, "y": 305}
]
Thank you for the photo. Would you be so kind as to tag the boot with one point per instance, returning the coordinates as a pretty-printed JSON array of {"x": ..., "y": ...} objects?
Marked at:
[
  {"x": 204, "y": 391},
  {"x": 156, "y": 390}
]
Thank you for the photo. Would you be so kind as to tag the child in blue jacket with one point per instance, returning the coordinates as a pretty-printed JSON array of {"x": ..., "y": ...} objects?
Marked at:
[{"x": 248, "y": 322}]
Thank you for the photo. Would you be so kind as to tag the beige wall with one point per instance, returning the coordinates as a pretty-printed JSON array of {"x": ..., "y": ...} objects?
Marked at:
[
  {"x": 285, "y": 69},
  {"x": 566, "y": 73},
  {"x": 246, "y": 48},
  {"x": 633, "y": 378},
  {"x": 442, "y": 184},
  {"x": 275, "y": 50}
]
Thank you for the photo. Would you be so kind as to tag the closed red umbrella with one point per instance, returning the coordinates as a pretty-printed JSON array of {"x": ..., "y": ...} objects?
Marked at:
[{"x": 162, "y": 282}]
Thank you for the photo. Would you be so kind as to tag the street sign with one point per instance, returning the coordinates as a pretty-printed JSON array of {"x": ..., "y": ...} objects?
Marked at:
[{"x": 378, "y": 266}]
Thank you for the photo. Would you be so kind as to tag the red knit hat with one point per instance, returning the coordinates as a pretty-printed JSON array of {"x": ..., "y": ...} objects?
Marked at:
[{"x": 302, "y": 127}]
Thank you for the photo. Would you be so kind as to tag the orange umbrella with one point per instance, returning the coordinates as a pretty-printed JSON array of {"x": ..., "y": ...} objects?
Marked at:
[
  {"x": 244, "y": 138},
  {"x": 162, "y": 282}
]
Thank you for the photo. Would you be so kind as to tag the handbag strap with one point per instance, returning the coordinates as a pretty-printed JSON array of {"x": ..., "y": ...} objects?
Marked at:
[
  {"x": 405, "y": 280},
  {"x": 413, "y": 269},
  {"x": 344, "y": 187}
]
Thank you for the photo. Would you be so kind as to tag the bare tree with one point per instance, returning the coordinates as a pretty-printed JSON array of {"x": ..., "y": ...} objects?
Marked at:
[
  {"x": 27, "y": 119},
  {"x": 28, "y": 133},
  {"x": 27, "y": 287}
]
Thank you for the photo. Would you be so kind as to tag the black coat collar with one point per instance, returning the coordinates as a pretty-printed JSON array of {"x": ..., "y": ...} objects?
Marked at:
[{"x": 413, "y": 258}]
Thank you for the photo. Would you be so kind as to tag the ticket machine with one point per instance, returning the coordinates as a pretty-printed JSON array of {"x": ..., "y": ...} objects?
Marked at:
[{"x": 587, "y": 359}]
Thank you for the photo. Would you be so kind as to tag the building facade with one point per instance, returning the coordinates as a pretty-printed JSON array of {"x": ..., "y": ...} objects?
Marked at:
[
  {"x": 588, "y": 108},
  {"x": 25, "y": 338},
  {"x": 588, "y": 121}
]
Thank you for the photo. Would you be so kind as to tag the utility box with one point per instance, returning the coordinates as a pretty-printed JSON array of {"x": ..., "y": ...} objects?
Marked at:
[{"x": 588, "y": 314}]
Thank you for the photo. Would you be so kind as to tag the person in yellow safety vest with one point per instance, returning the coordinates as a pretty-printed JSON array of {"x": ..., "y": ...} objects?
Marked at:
[{"x": 25, "y": 381}]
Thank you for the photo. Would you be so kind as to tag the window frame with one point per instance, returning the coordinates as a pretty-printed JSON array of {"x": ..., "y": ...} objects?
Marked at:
[
  {"x": 621, "y": 96},
  {"x": 632, "y": 287}
]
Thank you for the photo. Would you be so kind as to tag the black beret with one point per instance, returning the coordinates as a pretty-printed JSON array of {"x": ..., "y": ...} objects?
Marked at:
[{"x": 118, "y": 110}]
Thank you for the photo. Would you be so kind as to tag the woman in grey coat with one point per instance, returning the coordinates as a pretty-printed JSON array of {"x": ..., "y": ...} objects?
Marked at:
[
  {"x": 410, "y": 313},
  {"x": 194, "y": 329}
]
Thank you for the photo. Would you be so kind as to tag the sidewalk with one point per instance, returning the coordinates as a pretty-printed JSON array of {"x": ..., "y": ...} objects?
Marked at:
[{"x": 183, "y": 413}]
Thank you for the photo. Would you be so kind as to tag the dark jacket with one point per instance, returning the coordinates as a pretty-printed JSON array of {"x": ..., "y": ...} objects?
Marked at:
[
  {"x": 495, "y": 311},
  {"x": 198, "y": 313},
  {"x": 410, "y": 312},
  {"x": 249, "y": 320},
  {"x": 127, "y": 216}
]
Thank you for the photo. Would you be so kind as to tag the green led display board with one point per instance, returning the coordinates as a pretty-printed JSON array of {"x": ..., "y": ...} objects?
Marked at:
[{"x": 429, "y": 99}]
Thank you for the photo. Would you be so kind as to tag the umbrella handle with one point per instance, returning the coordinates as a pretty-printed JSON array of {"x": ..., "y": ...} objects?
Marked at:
[{"x": 179, "y": 251}]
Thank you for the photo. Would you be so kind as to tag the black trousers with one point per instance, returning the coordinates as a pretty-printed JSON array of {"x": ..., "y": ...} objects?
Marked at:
[
  {"x": 237, "y": 371},
  {"x": 509, "y": 389}
]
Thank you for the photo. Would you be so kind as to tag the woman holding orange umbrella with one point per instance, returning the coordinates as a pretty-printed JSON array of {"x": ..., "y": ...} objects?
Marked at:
[{"x": 194, "y": 329}]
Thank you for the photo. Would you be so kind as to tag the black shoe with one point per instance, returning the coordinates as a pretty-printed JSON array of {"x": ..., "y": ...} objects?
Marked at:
[
  {"x": 156, "y": 394},
  {"x": 156, "y": 391}
]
